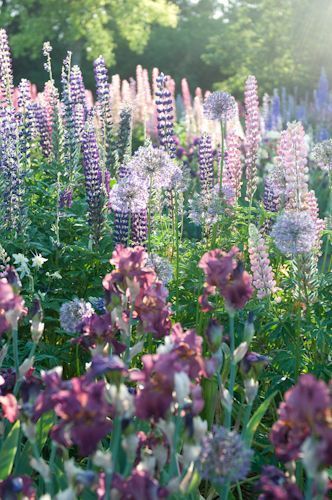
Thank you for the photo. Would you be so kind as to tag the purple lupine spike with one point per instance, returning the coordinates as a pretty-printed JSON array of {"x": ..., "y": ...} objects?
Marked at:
[
  {"x": 165, "y": 116},
  {"x": 252, "y": 135},
  {"x": 105, "y": 110},
  {"x": 102, "y": 83},
  {"x": 6, "y": 73},
  {"x": 205, "y": 161},
  {"x": 10, "y": 168},
  {"x": 42, "y": 129},
  {"x": 121, "y": 227},
  {"x": 93, "y": 179},
  {"x": 24, "y": 94},
  {"x": 322, "y": 94},
  {"x": 139, "y": 228},
  {"x": 27, "y": 129},
  {"x": 78, "y": 99},
  {"x": 271, "y": 201},
  {"x": 71, "y": 140}
]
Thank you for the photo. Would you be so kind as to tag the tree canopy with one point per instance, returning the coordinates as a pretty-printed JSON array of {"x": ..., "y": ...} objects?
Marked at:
[{"x": 210, "y": 42}]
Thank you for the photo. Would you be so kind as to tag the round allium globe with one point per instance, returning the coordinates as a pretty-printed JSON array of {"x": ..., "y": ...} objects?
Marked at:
[
  {"x": 162, "y": 267},
  {"x": 74, "y": 313},
  {"x": 294, "y": 232},
  {"x": 322, "y": 154},
  {"x": 224, "y": 457},
  {"x": 219, "y": 106}
]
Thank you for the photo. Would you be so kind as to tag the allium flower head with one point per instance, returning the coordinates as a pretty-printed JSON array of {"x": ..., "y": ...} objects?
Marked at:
[
  {"x": 162, "y": 267},
  {"x": 294, "y": 232},
  {"x": 224, "y": 457},
  {"x": 73, "y": 314},
  {"x": 129, "y": 195},
  {"x": 322, "y": 154},
  {"x": 155, "y": 166},
  {"x": 219, "y": 106},
  {"x": 205, "y": 210}
]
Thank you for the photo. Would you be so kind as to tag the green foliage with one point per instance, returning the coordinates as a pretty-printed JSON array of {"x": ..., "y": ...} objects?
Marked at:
[
  {"x": 90, "y": 27},
  {"x": 271, "y": 40}
]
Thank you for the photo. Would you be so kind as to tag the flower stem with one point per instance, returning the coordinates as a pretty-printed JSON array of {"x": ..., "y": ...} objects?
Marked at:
[
  {"x": 15, "y": 348},
  {"x": 228, "y": 416}
]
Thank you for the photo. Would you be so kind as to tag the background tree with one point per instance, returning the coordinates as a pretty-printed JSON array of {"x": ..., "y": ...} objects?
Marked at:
[
  {"x": 179, "y": 51},
  {"x": 283, "y": 43},
  {"x": 86, "y": 27}
]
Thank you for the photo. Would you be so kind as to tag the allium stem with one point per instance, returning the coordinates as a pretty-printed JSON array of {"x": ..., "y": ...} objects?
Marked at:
[
  {"x": 232, "y": 375},
  {"x": 15, "y": 348},
  {"x": 221, "y": 165}
]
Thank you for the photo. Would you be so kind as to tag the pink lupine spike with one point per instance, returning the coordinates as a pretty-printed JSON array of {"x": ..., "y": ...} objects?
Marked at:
[
  {"x": 292, "y": 166},
  {"x": 263, "y": 277},
  {"x": 232, "y": 171},
  {"x": 252, "y": 134}
]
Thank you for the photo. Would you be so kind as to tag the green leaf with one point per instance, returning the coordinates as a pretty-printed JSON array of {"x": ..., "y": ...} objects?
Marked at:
[
  {"x": 256, "y": 419},
  {"x": 8, "y": 451},
  {"x": 43, "y": 427}
]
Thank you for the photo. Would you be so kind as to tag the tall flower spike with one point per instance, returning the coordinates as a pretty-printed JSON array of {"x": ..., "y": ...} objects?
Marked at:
[
  {"x": 232, "y": 171},
  {"x": 93, "y": 179},
  {"x": 6, "y": 73},
  {"x": 78, "y": 100},
  {"x": 292, "y": 159},
  {"x": 124, "y": 134},
  {"x": 252, "y": 134},
  {"x": 205, "y": 161},
  {"x": 165, "y": 116},
  {"x": 313, "y": 210},
  {"x": 263, "y": 278},
  {"x": 71, "y": 143},
  {"x": 139, "y": 228},
  {"x": 105, "y": 111},
  {"x": 42, "y": 129},
  {"x": 11, "y": 170}
]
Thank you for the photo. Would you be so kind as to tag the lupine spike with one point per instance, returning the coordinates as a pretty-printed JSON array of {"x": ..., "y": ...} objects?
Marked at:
[
  {"x": 139, "y": 228},
  {"x": 93, "y": 179},
  {"x": 252, "y": 134},
  {"x": 11, "y": 171},
  {"x": 232, "y": 171},
  {"x": 205, "y": 161},
  {"x": 124, "y": 134},
  {"x": 292, "y": 161},
  {"x": 263, "y": 277},
  {"x": 105, "y": 111},
  {"x": 6, "y": 73},
  {"x": 165, "y": 116}
]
